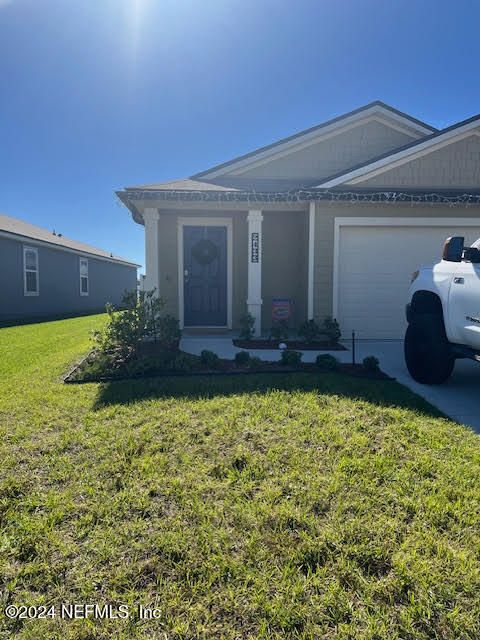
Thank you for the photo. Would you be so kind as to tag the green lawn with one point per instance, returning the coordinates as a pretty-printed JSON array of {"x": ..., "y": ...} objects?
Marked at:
[{"x": 297, "y": 506}]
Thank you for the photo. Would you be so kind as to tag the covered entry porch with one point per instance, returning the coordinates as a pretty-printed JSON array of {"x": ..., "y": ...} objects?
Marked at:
[{"x": 212, "y": 267}]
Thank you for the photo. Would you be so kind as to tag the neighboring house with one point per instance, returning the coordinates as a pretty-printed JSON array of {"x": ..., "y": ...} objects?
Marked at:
[
  {"x": 335, "y": 218},
  {"x": 46, "y": 274}
]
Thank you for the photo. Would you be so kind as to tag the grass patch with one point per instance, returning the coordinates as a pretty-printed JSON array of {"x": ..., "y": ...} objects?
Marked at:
[{"x": 306, "y": 506}]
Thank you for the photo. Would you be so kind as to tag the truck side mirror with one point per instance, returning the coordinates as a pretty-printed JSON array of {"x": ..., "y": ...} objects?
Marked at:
[{"x": 453, "y": 249}]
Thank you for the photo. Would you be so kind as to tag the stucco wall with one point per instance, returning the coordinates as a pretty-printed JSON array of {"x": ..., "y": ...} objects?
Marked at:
[
  {"x": 168, "y": 249},
  {"x": 284, "y": 263},
  {"x": 334, "y": 154},
  {"x": 59, "y": 283},
  {"x": 285, "y": 251},
  {"x": 324, "y": 237},
  {"x": 284, "y": 259},
  {"x": 455, "y": 165}
]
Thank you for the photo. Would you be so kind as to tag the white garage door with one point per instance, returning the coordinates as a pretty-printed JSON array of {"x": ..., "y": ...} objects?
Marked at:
[{"x": 375, "y": 264}]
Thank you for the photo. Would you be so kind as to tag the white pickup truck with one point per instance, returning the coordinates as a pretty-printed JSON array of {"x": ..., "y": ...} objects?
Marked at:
[{"x": 443, "y": 313}]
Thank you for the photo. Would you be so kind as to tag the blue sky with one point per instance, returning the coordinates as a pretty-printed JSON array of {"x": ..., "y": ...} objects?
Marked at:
[{"x": 100, "y": 94}]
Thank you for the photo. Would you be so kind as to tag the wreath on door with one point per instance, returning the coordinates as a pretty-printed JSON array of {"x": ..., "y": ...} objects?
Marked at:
[{"x": 205, "y": 252}]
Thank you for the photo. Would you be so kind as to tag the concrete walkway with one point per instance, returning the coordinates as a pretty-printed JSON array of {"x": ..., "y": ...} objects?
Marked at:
[{"x": 459, "y": 398}]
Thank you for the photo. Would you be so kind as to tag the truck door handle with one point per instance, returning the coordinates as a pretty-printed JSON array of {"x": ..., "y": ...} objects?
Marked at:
[{"x": 459, "y": 280}]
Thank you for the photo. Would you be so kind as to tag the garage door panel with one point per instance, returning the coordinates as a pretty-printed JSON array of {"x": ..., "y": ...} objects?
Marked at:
[{"x": 375, "y": 264}]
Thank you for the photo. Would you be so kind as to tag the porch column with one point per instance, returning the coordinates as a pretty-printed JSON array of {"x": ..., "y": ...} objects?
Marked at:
[
  {"x": 254, "y": 299},
  {"x": 311, "y": 259},
  {"x": 152, "y": 268}
]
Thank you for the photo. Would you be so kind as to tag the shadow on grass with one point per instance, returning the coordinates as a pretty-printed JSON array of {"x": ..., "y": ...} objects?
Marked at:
[{"x": 378, "y": 392}]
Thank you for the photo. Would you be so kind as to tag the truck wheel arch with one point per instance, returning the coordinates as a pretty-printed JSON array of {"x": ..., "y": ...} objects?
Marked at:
[{"x": 426, "y": 302}]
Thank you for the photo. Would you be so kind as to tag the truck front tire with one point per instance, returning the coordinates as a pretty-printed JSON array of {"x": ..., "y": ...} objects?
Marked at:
[{"x": 428, "y": 355}]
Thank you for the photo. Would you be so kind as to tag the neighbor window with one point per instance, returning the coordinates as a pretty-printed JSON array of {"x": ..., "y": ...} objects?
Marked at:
[
  {"x": 30, "y": 271},
  {"x": 83, "y": 277}
]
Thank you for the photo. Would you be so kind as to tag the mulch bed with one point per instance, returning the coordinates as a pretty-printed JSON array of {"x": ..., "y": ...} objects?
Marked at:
[
  {"x": 296, "y": 345},
  {"x": 228, "y": 368}
]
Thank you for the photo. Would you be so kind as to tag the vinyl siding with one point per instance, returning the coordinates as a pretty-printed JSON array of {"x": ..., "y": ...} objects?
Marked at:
[
  {"x": 331, "y": 155},
  {"x": 59, "y": 277},
  {"x": 456, "y": 165}
]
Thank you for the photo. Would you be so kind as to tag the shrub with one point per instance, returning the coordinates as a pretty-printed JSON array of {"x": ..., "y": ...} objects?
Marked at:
[
  {"x": 371, "y": 363},
  {"x": 242, "y": 358},
  {"x": 291, "y": 357},
  {"x": 279, "y": 331},
  {"x": 247, "y": 324},
  {"x": 151, "y": 364},
  {"x": 209, "y": 359},
  {"x": 168, "y": 331},
  {"x": 327, "y": 362},
  {"x": 255, "y": 362},
  {"x": 331, "y": 329},
  {"x": 122, "y": 334},
  {"x": 139, "y": 319},
  {"x": 309, "y": 331},
  {"x": 185, "y": 362}
]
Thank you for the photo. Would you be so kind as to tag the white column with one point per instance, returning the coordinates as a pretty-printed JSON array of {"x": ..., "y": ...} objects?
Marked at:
[
  {"x": 254, "y": 299},
  {"x": 311, "y": 259},
  {"x": 152, "y": 267}
]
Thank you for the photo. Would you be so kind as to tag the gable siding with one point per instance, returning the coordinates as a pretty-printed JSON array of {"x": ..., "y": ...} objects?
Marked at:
[
  {"x": 455, "y": 165},
  {"x": 333, "y": 155}
]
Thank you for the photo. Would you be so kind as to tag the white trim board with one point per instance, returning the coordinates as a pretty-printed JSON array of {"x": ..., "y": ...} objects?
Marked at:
[
  {"x": 311, "y": 261},
  {"x": 385, "y": 222},
  {"x": 204, "y": 222},
  {"x": 34, "y": 250},
  {"x": 398, "y": 158},
  {"x": 319, "y": 133}
]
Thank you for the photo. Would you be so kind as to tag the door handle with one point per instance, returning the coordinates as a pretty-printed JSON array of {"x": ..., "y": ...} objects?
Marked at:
[{"x": 459, "y": 280}]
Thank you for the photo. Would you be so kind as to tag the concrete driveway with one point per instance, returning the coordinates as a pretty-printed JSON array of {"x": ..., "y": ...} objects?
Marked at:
[{"x": 458, "y": 398}]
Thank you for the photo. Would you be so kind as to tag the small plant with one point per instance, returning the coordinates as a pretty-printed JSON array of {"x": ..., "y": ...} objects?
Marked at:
[
  {"x": 242, "y": 358},
  {"x": 255, "y": 362},
  {"x": 153, "y": 364},
  {"x": 290, "y": 357},
  {"x": 209, "y": 359},
  {"x": 279, "y": 331},
  {"x": 371, "y": 363},
  {"x": 247, "y": 324},
  {"x": 331, "y": 329},
  {"x": 326, "y": 362},
  {"x": 309, "y": 331},
  {"x": 185, "y": 362}
]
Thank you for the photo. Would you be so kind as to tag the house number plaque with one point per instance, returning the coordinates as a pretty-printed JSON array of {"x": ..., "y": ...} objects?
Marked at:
[{"x": 255, "y": 247}]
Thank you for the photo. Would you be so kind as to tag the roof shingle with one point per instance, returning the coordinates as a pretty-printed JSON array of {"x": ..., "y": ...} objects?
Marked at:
[{"x": 31, "y": 231}]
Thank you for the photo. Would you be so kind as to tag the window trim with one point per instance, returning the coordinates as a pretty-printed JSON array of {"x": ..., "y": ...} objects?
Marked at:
[
  {"x": 85, "y": 260},
  {"x": 25, "y": 271}
]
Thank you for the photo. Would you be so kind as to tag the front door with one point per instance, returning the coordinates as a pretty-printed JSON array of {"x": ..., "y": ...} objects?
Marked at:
[{"x": 205, "y": 276}]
